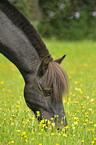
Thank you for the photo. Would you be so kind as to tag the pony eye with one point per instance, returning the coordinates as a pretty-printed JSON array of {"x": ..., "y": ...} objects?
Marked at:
[{"x": 47, "y": 92}]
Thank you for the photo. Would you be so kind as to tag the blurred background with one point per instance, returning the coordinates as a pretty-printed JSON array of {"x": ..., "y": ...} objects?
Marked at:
[{"x": 61, "y": 19}]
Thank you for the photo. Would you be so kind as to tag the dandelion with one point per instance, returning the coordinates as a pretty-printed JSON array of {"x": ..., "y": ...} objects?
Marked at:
[
  {"x": 12, "y": 124},
  {"x": 23, "y": 133},
  {"x": 32, "y": 138},
  {"x": 84, "y": 124},
  {"x": 94, "y": 125},
  {"x": 32, "y": 132},
  {"x": 82, "y": 140},
  {"x": 26, "y": 140},
  {"x": 12, "y": 141},
  {"x": 93, "y": 130},
  {"x": 86, "y": 120},
  {"x": 23, "y": 126},
  {"x": 93, "y": 142},
  {"x": 25, "y": 136},
  {"x": 18, "y": 130},
  {"x": 66, "y": 127},
  {"x": 90, "y": 109},
  {"x": 65, "y": 135},
  {"x": 52, "y": 134},
  {"x": 52, "y": 118}
]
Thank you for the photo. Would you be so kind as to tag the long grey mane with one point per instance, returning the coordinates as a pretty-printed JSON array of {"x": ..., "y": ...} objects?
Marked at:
[{"x": 20, "y": 21}]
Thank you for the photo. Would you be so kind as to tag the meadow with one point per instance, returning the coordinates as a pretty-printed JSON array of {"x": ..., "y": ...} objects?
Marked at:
[{"x": 18, "y": 124}]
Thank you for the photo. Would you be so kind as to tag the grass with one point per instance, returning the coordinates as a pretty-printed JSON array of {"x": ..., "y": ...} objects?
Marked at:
[{"x": 18, "y": 124}]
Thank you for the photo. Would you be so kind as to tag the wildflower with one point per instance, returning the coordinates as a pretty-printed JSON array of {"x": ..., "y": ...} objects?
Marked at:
[
  {"x": 12, "y": 124},
  {"x": 2, "y": 82},
  {"x": 23, "y": 133},
  {"x": 90, "y": 109},
  {"x": 93, "y": 130},
  {"x": 57, "y": 133},
  {"x": 95, "y": 139},
  {"x": 65, "y": 135},
  {"x": 93, "y": 142},
  {"x": 53, "y": 124},
  {"x": 26, "y": 140},
  {"x": 76, "y": 123},
  {"x": 90, "y": 122},
  {"x": 84, "y": 124},
  {"x": 32, "y": 138},
  {"x": 40, "y": 143},
  {"x": 63, "y": 129},
  {"x": 25, "y": 136},
  {"x": 66, "y": 127},
  {"x": 52, "y": 134},
  {"x": 23, "y": 126},
  {"x": 12, "y": 141},
  {"x": 86, "y": 120},
  {"x": 18, "y": 130},
  {"x": 94, "y": 125},
  {"x": 32, "y": 132},
  {"x": 82, "y": 140},
  {"x": 52, "y": 118}
]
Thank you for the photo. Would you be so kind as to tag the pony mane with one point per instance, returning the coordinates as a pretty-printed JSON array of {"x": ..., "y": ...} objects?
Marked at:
[
  {"x": 22, "y": 23},
  {"x": 56, "y": 80}
]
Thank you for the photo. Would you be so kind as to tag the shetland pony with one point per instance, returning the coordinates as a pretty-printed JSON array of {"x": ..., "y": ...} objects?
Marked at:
[{"x": 45, "y": 80}]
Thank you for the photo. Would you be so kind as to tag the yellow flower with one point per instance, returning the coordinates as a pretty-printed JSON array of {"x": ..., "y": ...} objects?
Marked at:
[
  {"x": 57, "y": 133},
  {"x": 95, "y": 139},
  {"x": 52, "y": 134},
  {"x": 32, "y": 138},
  {"x": 84, "y": 124},
  {"x": 25, "y": 136},
  {"x": 53, "y": 124},
  {"x": 86, "y": 120},
  {"x": 26, "y": 140},
  {"x": 52, "y": 118},
  {"x": 93, "y": 142},
  {"x": 12, "y": 141},
  {"x": 65, "y": 135},
  {"x": 94, "y": 125},
  {"x": 32, "y": 132},
  {"x": 75, "y": 118},
  {"x": 18, "y": 130},
  {"x": 82, "y": 140},
  {"x": 66, "y": 127},
  {"x": 23, "y": 126},
  {"x": 90, "y": 109},
  {"x": 40, "y": 143},
  {"x": 12, "y": 123},
  {"x": 23, "y": 133},
  {"x": 93, "y": 130}
]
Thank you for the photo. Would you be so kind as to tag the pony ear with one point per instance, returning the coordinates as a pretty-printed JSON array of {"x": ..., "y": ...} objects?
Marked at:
[
  {"x": 44, "y": 65},
  {"x": 60, "y": 59}
]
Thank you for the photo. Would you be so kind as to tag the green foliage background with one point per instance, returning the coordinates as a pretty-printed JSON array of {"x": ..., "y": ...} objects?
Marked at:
[{"x": 58, "y": 18}]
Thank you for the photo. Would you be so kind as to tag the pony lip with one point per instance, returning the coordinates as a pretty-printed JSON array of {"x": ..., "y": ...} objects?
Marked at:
[{"x": 45, "y": 80}]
